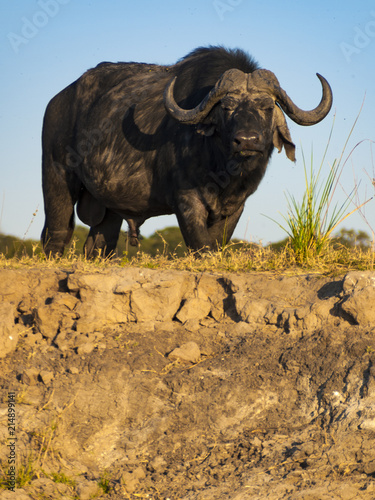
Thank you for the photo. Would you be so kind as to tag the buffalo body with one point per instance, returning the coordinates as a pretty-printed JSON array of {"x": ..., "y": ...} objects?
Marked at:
[{"x": 133, "y": 141}]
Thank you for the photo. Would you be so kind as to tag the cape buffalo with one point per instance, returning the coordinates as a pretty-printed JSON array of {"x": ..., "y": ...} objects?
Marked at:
[{"x": 133, "y": 140}]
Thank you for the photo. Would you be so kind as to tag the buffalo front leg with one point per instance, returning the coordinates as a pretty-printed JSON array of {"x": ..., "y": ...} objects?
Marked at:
[
  {"x": 103, "y": 237},
  {"x": 192, "y": 218}
]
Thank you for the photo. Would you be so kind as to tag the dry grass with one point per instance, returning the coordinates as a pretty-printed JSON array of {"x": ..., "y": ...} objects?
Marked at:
[
  {"x": 254, "y": 258},
  {"x": 234, "y": 258}
]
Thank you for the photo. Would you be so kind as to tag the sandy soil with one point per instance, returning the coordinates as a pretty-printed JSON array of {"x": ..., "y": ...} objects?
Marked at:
[{"x": 135, "y": 383}]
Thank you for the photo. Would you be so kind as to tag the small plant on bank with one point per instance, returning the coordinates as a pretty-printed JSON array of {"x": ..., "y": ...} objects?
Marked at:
[
  {"x": 105, "y": 483},
  {"x": 25, "y": 473},
  {"x": 61, "y": 478}
]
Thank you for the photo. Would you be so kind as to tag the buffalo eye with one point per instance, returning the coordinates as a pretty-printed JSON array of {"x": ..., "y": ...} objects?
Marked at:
[
  {"x": 227, "y": 104},
  {"x": 268, "y": 112},
  {"x": 268, "y": 105}
]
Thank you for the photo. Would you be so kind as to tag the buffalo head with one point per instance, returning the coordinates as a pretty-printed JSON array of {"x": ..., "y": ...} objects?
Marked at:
[{"x": 245, "y": 110}]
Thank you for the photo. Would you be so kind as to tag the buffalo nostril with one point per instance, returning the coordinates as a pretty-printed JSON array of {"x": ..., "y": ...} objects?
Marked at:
[{"x": 248, "y": 141}]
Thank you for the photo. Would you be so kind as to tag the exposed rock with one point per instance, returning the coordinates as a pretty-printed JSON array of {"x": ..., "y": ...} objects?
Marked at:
[
  {"x": 17, "y": 494},
  {"x": 100, "y": 304},
  {"x": 130, "y": 483},
  {"x": 46, "y": 487},
  {"x": 250, "y": 309},
  {"x": 32, "y": 338},
  {"x": 194, "y": 308},
  {"x": 46, "y": 377},
  {"x": 358, "y": 280},
  {"x": 74, "y": 370},
  {"x": 85, "y": 348},
  {"x": 132, "y": 480},
  {"x": 8, "y": 330},
  {"x": 91, "y": 302},
  {"x": 359, "y": 288},
  {"x": 360, "y": 305},
  {"x": 192, "y": 325},
  {"x": 58, "y": 313},
  {"x": 30, "y": 376},
  {"x": 151, "y": 303},
  {"x": 87, "y": 489},
  {"x": 158, "y": 464},
  {"x": 186, "y": 352}
]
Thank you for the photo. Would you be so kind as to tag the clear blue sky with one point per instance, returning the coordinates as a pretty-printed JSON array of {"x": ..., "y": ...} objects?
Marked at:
[{"x": 46, "y": 44}]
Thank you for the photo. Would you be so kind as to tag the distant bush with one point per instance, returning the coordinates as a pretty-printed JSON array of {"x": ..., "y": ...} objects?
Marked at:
[
  {"x": 10, "y": 247},
  {"x": 166, "y": 241},
  {"x": 352, "y": 239},
  {"x": 349, "y": 238}
]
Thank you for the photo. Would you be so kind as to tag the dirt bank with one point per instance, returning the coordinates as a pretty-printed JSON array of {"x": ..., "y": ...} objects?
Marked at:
[{"x": 137, "y": 383}]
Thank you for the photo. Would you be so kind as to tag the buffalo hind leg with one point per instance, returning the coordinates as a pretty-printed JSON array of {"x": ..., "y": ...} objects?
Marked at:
[
  {"x": 55, "y": 240},
  {"x": 60, "y": 192},
  {"x": 102, "y": 238}
]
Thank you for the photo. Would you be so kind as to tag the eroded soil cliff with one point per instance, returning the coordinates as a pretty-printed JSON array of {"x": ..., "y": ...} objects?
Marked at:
[{"x": 136, "y": 383}]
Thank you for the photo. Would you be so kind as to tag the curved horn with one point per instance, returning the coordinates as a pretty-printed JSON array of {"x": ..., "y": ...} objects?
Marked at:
[
  {"x": 232, "y": 78},
  {"x": 266, "y": 80},
  {"x": 307, "y": 117}
]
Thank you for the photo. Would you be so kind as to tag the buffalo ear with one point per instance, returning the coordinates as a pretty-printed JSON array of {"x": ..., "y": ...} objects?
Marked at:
[
  {"x": 281, "y": 136},
  {"x": 205, "y": 129}
]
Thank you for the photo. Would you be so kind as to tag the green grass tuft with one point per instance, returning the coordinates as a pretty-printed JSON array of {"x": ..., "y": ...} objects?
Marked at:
[{"x": 310, "y": 222}]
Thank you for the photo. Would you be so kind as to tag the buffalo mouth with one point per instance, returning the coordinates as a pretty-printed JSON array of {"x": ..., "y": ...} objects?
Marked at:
[{"x": 247, "y": 153}]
